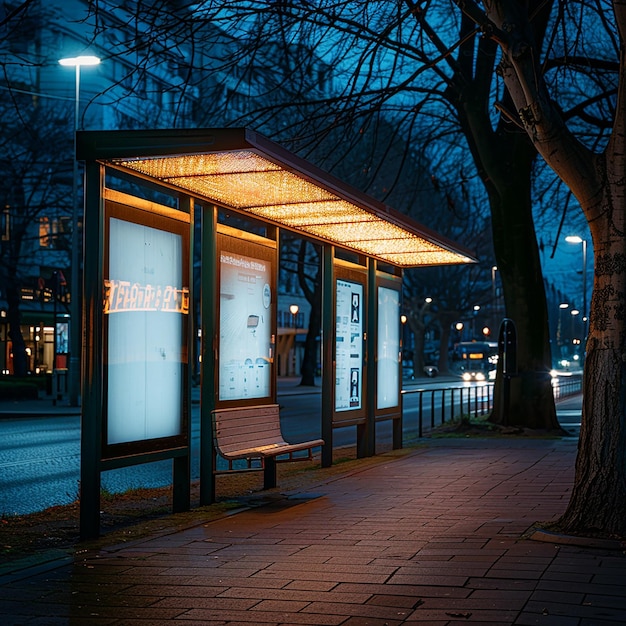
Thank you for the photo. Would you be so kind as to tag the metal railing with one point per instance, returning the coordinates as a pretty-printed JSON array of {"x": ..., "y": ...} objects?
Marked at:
[
  {"x": 436, "y": 406},
  {"x": 447, "y": 403},
  {"x": 567, "y": 386}
]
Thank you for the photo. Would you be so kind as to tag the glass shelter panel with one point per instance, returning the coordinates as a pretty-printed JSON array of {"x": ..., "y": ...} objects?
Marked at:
[{"x": 388, "y": 348}]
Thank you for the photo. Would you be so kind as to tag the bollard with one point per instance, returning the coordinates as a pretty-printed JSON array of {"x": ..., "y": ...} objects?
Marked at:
[{"x": 507, "y": 355}]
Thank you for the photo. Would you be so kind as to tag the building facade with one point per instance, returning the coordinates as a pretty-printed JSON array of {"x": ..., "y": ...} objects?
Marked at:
[{"x": 154, "y": 73}]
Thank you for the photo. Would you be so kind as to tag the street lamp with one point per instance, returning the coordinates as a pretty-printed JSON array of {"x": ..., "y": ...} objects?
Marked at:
[
  {"x": 576, "y": 239},
  {"x": 293, "y": 309},
  {"x": 75, "y": 343},
  {"x": 575, "y": 313},
  {"x": 459, "y": 329},
  {"x": 494, "y": 295},
  {"x": 559, "y": 328},
  {"x": 476, "y": 309}
]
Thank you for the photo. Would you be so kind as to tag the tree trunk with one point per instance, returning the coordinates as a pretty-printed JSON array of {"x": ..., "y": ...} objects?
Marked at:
[
  {"x": 531, "y": 398},
  {"x": 308, "y": 366},
  {"x": 418, "y": 347},
  {"x": 598, "y": 501},
  {"x": 445, "y": 323},
  {"x": 504, "y": 160},
  {"x": 505, "y": 165}
]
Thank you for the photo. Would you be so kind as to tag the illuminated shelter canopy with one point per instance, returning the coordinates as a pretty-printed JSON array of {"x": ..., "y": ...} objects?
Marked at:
[{"x": 239, "y": 169}]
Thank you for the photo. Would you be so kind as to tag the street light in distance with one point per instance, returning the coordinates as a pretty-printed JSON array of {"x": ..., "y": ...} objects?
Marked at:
[
  {"x": 576, "y": 240},
  {"x": 293, "y": 309}
]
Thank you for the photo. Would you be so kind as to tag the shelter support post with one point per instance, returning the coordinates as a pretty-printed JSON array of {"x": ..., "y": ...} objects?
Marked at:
[
  {"x": 91, "y": 343},
  {"x": 328, "y": 357},
  {"x": 181, "y": 466},
  {"x": 208, "y": 305},
  {"x": 370, "y": 360}
]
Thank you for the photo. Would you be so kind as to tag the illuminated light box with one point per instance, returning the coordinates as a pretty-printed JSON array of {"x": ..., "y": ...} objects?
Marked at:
[
  {"x": 146, "y": 307},
  {"x": 245, "y": 327},
  {"x": 349, "y": 345},
  {"x": 388, "y": 348}
]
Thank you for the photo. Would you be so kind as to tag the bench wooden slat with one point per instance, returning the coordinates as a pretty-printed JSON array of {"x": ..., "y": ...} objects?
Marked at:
[
  {"x": 270, "y": 450},
  {"x": 253, "y": 432}
]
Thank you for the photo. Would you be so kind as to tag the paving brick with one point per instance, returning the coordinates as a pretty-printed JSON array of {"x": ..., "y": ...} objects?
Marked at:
[
  {"x": 205, "y": 616},
  {"x": 364, "y": 610},
  {"x": 432, "y": 536}
]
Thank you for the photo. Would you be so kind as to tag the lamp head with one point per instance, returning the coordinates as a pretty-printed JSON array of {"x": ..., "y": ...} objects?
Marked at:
[
  {"x": 79, "y": 61},
  {"x": 573, "y": 239}
]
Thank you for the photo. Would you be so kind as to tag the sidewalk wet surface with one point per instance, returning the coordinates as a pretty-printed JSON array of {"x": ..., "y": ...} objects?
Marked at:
[{"x": 434, "y": 535}]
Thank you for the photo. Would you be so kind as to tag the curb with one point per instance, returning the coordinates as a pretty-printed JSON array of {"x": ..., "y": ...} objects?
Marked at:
[{"x": 573, "y": 540}]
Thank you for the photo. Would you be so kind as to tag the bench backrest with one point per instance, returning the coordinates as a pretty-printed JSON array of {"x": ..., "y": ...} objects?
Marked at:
[{"x": 248, "y": 427}]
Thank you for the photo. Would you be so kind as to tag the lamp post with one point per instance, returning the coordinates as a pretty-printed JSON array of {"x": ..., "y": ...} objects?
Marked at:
[
  {"x": 559, "y": 329},
  {"x": 75, "y": 328},
  {"x": 574, "y": 313},
  {"x": 584, "y": 316},
  {"x": 293, "y": 309},
  {"x": 476, "y": 309},
  {"x": 459, "y": 329},
  {"x": 494, "y": 297}
]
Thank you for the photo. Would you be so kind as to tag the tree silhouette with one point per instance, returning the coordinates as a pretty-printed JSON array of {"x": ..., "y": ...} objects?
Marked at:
[{"x": 594, "y": 172}]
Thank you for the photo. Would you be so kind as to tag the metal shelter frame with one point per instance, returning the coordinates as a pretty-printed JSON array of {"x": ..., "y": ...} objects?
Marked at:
[{"x": 246, "y": 174}]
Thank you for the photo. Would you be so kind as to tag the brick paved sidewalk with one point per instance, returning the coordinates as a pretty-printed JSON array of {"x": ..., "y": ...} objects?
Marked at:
[{"x": 432, "y": 536}]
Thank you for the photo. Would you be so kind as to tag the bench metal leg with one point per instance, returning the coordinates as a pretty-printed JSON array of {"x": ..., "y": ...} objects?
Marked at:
[
  {"x": 361, "y": 441},
  {"x": 397, "y": 433},
  {"x": 181, "y": 487},
  {"x": 269, "y": 472}
]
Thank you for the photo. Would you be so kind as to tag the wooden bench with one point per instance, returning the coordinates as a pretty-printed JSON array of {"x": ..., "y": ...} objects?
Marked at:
[{"x": 254, "y": 433}]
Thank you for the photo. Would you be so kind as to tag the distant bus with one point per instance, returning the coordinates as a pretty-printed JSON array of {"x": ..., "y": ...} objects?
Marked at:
[{"x": 476, "y": 360}]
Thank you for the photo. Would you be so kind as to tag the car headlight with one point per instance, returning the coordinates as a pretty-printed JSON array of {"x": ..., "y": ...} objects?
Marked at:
[
  {"x": 467, "y": 376},
  {"x": 480, "y": 376}
]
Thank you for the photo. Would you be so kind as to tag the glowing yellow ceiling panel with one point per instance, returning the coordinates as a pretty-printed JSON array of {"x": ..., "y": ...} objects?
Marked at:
[{"x": 250, "y": 174}]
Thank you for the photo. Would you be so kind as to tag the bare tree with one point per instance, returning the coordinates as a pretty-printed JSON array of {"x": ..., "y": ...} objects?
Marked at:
[
  {"x": 596, "y": 177},
  {"x": 35, "y": 166},
  {"x": 404, "y": 81},
  {"x": 36, "y": 185}
]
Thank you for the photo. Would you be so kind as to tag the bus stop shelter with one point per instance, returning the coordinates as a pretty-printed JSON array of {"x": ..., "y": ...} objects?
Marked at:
[{"x": 144, "y": 191}]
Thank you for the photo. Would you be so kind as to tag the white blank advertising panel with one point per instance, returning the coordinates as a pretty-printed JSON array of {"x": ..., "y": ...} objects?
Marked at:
[
  {"x": 388, "y": 348},
  {"x": 146, "y": 305},
  {"x": 245, "y": 346},
  {"x": 349, "y": 346}
]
